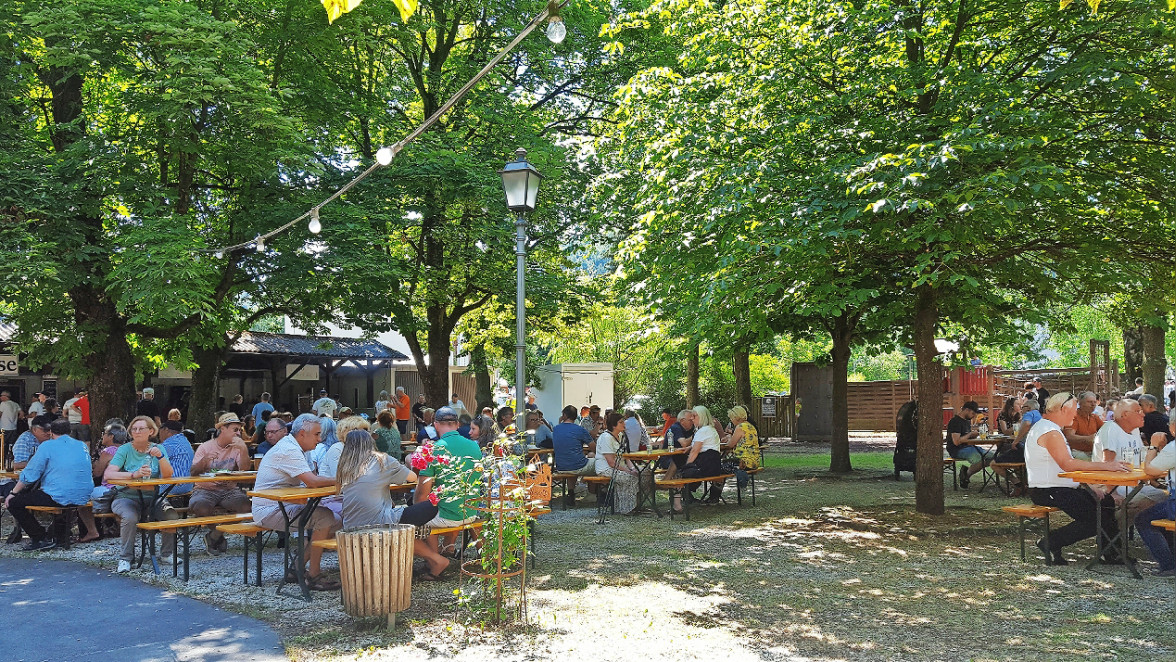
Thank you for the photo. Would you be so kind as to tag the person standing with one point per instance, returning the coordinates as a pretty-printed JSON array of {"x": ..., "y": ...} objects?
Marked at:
[
  {"x": 401, "y": 403},
  {"x": 38, "y": 406},
  {"x": 1042, "y": 394},
  {"x": 238, "y": 407},
  {"x": 148, "y": 407},
  {"x": 324, "y": 406},
  {"x": 261, "y": 407},
  {"x": 383, "y": 403},
  {"x": 458, "y": 406},
  {"x": 9, "y": 415}
]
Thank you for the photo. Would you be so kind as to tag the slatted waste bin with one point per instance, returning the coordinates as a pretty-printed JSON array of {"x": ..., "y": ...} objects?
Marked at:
[{"x": 375, "y": 568}]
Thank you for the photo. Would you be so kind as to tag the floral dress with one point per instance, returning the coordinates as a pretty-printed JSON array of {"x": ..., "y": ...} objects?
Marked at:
[{"x": 748, "y": 450}]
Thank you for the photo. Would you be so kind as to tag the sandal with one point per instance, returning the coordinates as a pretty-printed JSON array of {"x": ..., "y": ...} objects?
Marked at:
[{"x": 321, "y": 583}]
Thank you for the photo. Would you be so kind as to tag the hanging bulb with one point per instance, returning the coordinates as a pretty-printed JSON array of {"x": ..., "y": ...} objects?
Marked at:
[
  {"x": 219, "y": 255},
  {"x": 384, "y": 156},
  {"x": 556, "y": 30},
  {"x": 315, "y": 226},
  {"x": 260, "y": 244}
]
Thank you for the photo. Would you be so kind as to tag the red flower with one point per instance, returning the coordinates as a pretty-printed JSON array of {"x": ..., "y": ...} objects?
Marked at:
[{"x": 433, "y": 498}]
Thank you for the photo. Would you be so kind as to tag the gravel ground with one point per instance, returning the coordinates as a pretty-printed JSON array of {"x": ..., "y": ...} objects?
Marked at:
[{"x": 822, "y": 568}]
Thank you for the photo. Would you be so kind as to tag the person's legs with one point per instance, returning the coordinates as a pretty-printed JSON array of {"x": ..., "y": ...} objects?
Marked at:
[
  {"x": 86, "y": 515},
  {"x": 27, "y": 520},
  {"x": 128, "y": 528},
  {"x": 1157, "y": 539},
  {"x": 323, "y": 526},
  {"x": 1079, "y": 505},
  {"x": 973, "y": 457},
  {"x": 164, "y": 511},
  {"x": 403, "y": 427}
]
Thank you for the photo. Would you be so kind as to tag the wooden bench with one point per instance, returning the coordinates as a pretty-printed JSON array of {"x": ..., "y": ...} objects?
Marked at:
[
  {"x": 677, "y": 487},
  {"x": 64, "y": 518},
  {"x": 751, "y": 473},
  {"x": 1016, "y": 468},
  {"x": 1165, "y": 524},
  {"x": 327, "y": 543},
  {"x": 253, "y": 535},
  {"x": 566, "y": 479},
  {"x": 949, "y": 467},
  {"x": 1029, "y": 516},
  {"x": 184, "y": 528}
]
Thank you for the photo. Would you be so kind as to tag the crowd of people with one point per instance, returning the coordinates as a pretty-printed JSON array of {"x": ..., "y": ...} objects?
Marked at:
[{"x": 1054, "y": 434}]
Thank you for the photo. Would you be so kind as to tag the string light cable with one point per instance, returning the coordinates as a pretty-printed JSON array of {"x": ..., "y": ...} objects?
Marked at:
[{"x": 385, "y": 155}]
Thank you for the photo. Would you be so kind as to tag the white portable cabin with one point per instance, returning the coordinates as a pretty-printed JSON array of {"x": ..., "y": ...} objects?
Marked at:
[{"x": 575, "y": 384}]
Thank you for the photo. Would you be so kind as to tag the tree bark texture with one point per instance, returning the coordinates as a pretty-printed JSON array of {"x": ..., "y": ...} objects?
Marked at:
[
  {"x": 205, "y": 386},
  {"x": 1155, "y": 364},
  {"x": 692, "y": 375},
  {"x": 483, "y": 393},
  {"x": 842, "y": 335},
  {"x": 1132, "y": 356},
  {"x": 929, "y": 459},
  {"x": 742, "y": 369}
]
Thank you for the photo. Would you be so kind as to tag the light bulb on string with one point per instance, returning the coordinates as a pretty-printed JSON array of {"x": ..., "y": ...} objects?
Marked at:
[
  {"x": 219, "y": 255},
  {"x": 384, "y": 156},
  {"x": 260, "y": 247},
  {"x": 315, "y": 226},
  {"x": 556, "y": 30}
]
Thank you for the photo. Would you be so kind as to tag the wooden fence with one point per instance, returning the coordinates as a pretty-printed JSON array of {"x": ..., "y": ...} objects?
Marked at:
[{"x": 783, "y": 424}]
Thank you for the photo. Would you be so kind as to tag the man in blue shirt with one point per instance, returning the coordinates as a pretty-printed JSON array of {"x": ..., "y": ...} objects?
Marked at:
[
  {"x": 23, "y": 450},
  {"x": 179, "y": 453},
  {"x": 62, "y": 465},
  {"x": 569, "y": 440},
  {"x": 261, "y": 407}
]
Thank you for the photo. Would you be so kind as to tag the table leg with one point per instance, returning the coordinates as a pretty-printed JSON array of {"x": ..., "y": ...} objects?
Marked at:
[
  {"x": 1098, "y": 535},
  {"x": 287, "y": 549},
  {"x": 303, "y": 519},
  {"x": 1124, "y": 525}
]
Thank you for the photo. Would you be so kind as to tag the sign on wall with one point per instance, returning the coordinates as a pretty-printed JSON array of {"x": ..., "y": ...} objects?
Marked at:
[
  {"x": 768, "y": 407},
  {"x": 9, "y": 366}
]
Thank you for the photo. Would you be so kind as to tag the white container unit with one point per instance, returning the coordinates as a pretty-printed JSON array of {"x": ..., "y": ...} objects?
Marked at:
[{"x": 575, "y": 384}]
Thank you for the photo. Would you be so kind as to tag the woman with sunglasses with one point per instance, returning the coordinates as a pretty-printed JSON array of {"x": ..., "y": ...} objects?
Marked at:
[
  {"x": 142, "y": 458},
  {"x": 1046, "y": 455}
]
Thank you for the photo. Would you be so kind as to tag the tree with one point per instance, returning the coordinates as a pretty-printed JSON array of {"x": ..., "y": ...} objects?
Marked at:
[{"x": 879, "y": 136}]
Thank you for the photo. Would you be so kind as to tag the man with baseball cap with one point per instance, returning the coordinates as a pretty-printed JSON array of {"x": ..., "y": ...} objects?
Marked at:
[
  {"x": 462, "y": 453},
  {"x": 224, "y": 452},
  {"x": 324, "y": 406},
  {"x": 961, "y": 442}
]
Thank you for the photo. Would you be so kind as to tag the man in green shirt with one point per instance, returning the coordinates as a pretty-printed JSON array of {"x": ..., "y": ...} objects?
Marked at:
[{"x": 457, "y": 480}]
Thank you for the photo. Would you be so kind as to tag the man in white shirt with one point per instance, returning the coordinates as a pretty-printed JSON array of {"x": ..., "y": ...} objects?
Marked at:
[
  {"x": 38, "y": 406},
  {"x": 285, "y": 466},
  {"x": 324, "y": 406},
  {"x": 457, "y": 405},
  {"x": 1119, "y": 440},
  {"x": 1138, "y": 390},
  {"x": 1160, "y": 458},
  {"x": 9, "y": 415}
]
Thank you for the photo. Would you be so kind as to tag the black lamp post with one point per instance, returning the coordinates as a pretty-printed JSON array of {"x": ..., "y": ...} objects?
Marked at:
[{"x": 520, "y": 182}]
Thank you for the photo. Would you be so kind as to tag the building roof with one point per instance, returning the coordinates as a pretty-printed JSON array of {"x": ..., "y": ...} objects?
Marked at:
[{"x": 314, "y": 346}]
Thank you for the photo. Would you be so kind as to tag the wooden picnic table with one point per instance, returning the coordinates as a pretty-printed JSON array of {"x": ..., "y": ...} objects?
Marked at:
[
  {"x": 643, "y": 461},
  {"x": 143, "y": 486},
  {"x": 1132, "y": 480},
  {"x": 294, "y": 554}
]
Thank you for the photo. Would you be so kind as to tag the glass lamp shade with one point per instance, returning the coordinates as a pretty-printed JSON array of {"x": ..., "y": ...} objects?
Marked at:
[{"x": 520, "y": 182}]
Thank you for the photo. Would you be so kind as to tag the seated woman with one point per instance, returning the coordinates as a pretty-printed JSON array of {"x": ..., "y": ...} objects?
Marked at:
[
  {"x": 743, "y": 444},
  {"x": 387, "y": 435},
  {"x": 1009, "y": 416},
  {"x": 113, "y": 437},
  {"x": 327, "y": 439},
  {"x": 482, "y": 431},
  {"x": 140, "y": 459},
  {"x": 1046, "y": 455},
  {"x": 610, "y": 463},
  {"x": 364, "y": 476},
  {"x": 705, "y": 453}
]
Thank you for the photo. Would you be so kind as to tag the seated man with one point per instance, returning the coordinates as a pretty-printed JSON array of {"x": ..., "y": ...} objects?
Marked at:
[
  {"x": 61, "y": 470},
  {"x": 179, "y": 452},
  {"x": 680, "y": 435},
  {"x": 1080, "y": 435},
  {"x": 569, "y": 441},
  {"x": 960, "y": 442},
  {"x": 22, "y": 451},
  {"x": 285, "y": 465},
  {"x": 1119, "y": 440},
  {"x": 538, "y": 434},
  {"x": 462, "y": 453},
  {"x": 225, "y": 452},
  {"x": 1153, "y": 420},
  {"x": 1160, "y": 458}
]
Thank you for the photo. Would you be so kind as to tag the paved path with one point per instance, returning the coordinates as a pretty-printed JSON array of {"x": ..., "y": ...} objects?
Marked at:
[{"x": 55, "y": 610}]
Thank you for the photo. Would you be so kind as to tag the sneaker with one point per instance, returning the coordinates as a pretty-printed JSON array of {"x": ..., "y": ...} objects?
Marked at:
[
  {"x": 212, "y": 546},
  {"x": 964, "y": 479},
  {"x": 14, "y": 537},
  {"x": 223, "y": 545},
  {"x": 40, "y": 545},
  {"x": 123, "y": 566}
]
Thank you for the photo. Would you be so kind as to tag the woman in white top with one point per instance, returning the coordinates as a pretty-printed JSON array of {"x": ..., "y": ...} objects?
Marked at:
[
  {"x": 610, "y": 463},
  {"x": 1046, "y": 455},
  {"x": 706, "y": 451}
]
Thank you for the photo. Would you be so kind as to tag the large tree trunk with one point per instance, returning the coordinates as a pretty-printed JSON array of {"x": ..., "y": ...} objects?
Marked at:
[
  {"x": 483, "y": 392},
  {"x": 842, "y": 335},
  {"x": 1132, "y": 355},
  {"x": 929, "y": 460},
  {"x": 692, "y": 375},
  {"x": 205, "y": 386},
  {"x": 1155, "y": 364},
  {"x": 112, "y": 368},
  {"x": 742, "y": 368},
  {"x": 435, "y": 375}
]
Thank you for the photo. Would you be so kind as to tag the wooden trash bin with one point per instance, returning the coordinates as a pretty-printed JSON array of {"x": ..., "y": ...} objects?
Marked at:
[{"x": 375, "y": 568}]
